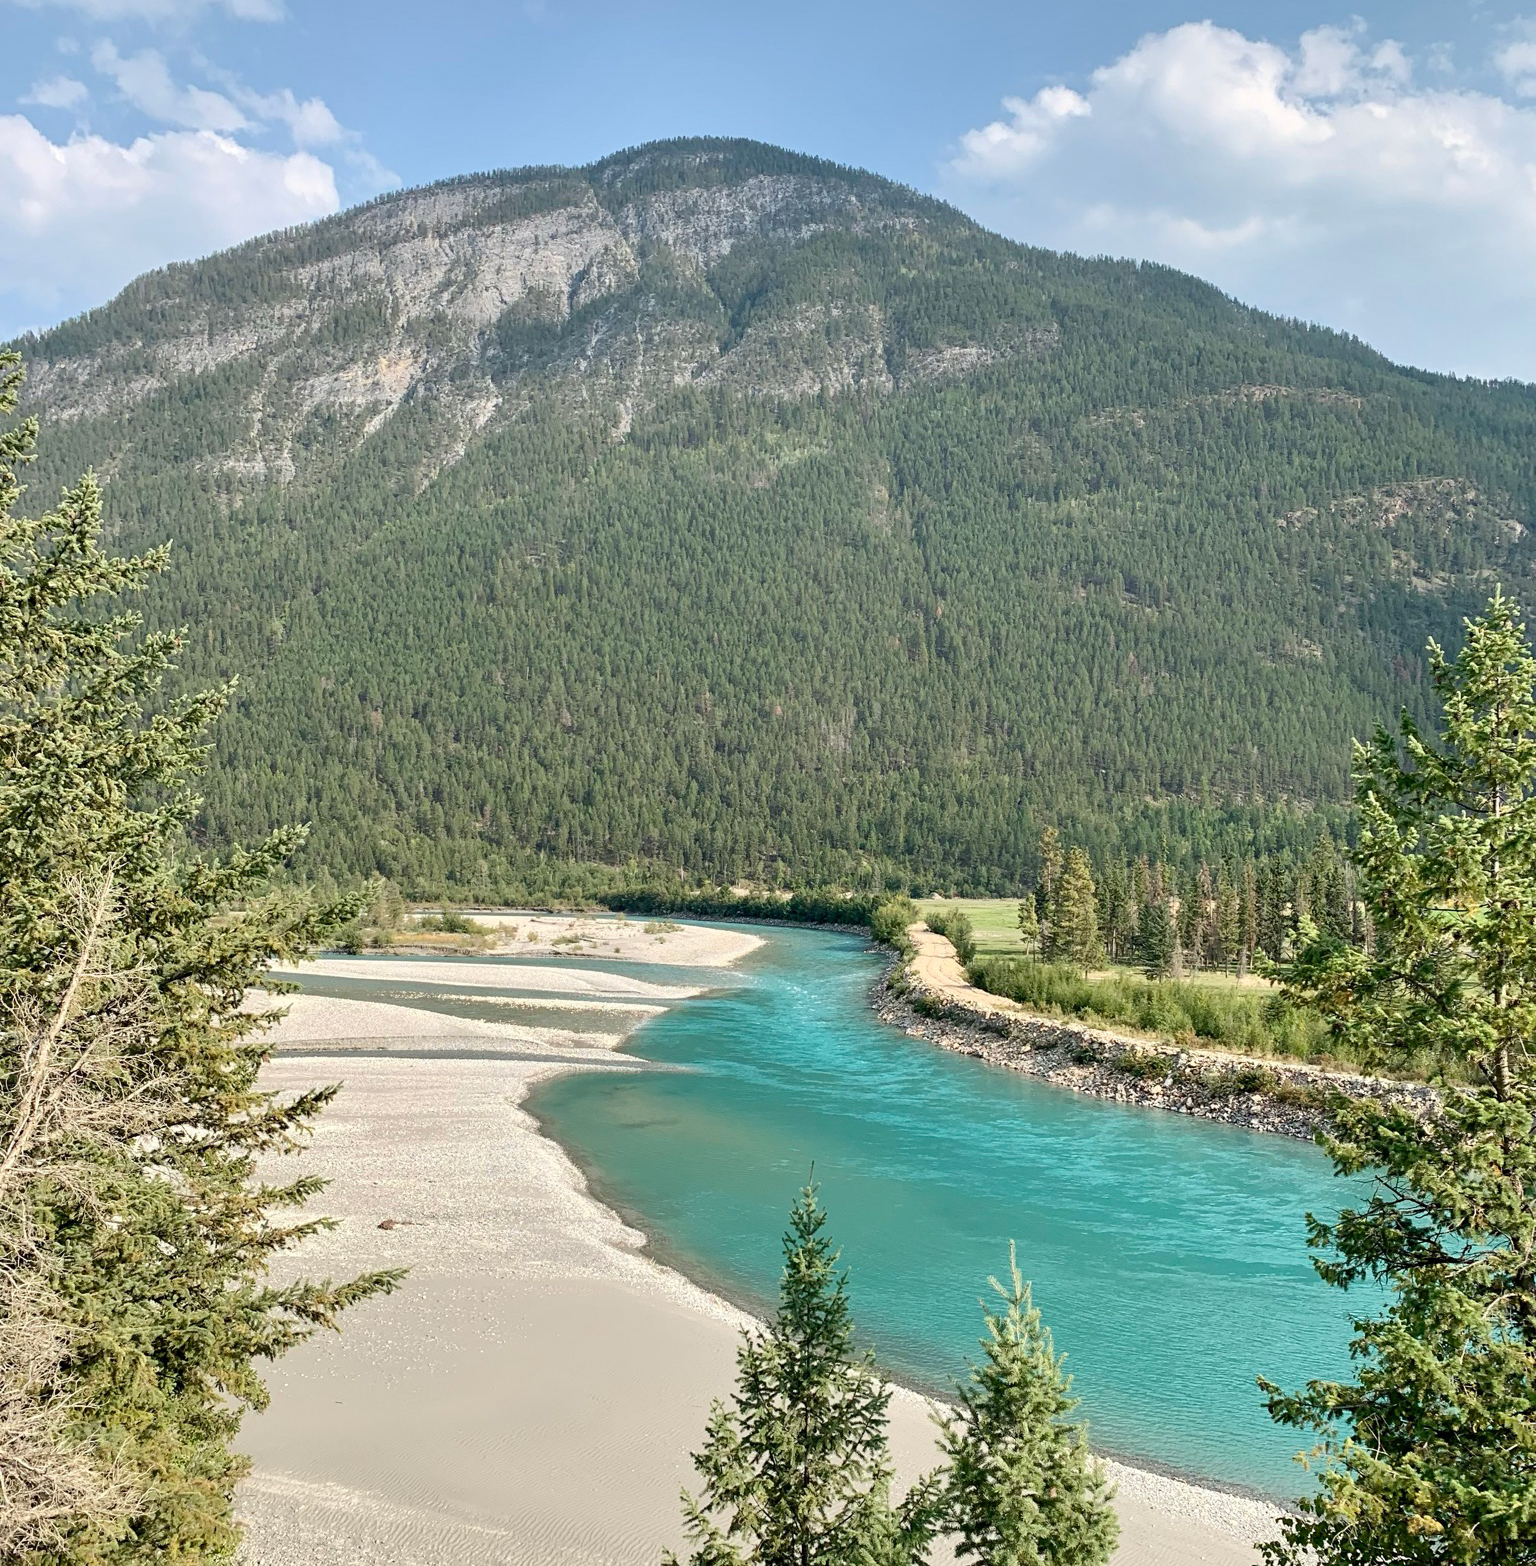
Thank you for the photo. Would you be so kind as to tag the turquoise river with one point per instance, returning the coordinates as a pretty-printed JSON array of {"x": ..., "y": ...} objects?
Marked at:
[{"x": 1168, "y": 1255}]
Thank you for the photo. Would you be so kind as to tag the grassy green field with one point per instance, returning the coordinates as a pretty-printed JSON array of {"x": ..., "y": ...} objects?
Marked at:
[{"x": 994, "y": 919}]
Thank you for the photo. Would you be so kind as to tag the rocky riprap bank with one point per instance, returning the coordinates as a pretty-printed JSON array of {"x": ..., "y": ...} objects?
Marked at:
[{"x": 1288, "y": 1098}]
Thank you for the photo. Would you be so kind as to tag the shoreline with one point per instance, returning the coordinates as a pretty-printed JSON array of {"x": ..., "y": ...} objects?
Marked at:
[
  {"x": 929, "y": 998},
  {"x": 752, "y": 1310},
  {"x": 515, "y": 1259}
]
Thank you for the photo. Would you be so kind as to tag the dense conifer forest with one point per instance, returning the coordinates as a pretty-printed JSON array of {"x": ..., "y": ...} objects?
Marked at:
[{"x": 721, "y": 511}]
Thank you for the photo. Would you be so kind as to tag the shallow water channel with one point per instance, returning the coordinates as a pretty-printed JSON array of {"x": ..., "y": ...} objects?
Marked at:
[{"x": 1168, "y": 1255}]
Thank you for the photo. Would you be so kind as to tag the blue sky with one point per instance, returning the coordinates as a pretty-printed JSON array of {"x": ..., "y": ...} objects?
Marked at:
[{"x": 1375, "y": 170}]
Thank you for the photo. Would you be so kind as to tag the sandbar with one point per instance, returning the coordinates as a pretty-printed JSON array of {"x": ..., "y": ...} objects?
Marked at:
[
  {"x": 468, "y": 975},
  {"x": 632, "y": 938}
]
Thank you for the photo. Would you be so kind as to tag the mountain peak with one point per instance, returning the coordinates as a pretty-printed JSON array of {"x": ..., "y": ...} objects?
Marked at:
[{"x": 599, "y": 282}]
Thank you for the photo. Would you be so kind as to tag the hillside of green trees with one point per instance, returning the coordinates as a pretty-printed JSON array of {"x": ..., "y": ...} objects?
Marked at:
[{"x": 721, "y": 511}]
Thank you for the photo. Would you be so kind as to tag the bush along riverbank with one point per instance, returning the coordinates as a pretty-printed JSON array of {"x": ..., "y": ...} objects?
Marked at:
[{"x": 1288, "y": 1098}]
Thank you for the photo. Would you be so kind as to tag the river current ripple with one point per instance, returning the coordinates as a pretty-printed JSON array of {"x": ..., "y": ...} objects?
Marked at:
[{"x": 1168, "y": 1255}]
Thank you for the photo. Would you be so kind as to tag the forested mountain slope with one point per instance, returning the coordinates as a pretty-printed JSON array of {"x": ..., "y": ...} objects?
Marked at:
[{"x": 718, "y": 508}]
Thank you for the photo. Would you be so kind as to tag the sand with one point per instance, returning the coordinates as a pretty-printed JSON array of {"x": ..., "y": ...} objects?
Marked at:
[
  {"x": 554, "y": 980},
  {"x": 629, "y": 938},
  {"x": 532, "y": 1393}
]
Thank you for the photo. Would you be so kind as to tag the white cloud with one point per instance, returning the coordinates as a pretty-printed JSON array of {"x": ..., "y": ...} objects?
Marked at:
[
  {"x": 58, "y": 92},
  {"x": 1315, "y": 181},
  {"x": 1516, "y": 63},
  {"x": 310, "y": 122},
  {"x": 91, "y": 214},
  {"x": 144, "y": 79},
  {"x": 179, "y": 11}
]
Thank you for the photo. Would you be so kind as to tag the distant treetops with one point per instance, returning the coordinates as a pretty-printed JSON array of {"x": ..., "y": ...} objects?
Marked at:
[{"x": 1222, "y": 917}]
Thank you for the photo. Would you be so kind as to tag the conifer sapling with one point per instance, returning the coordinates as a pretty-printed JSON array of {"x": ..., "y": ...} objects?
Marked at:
[
  {"x": 1021, "y": 1487},
  {"x": 795, "y": 1470}
]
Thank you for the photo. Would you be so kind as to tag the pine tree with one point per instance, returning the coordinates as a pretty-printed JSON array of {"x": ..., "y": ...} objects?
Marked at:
[
  {"x": 1191, "y": 918},
  {"x": 159, "y": 1241},
  {"x": 1158, "y": 940},
  {"x": 1430, "y": 1454},
  {"x": 1074, "y": 932},
  {"x": 1050, "y": 862},
  {"x": 1050, "y": 879},
  {"x": 1271, "y": 926},
  {"x": 1248, "y": 917},
  {"x": 1029, "y": 925},
  {"x": 798, "y": 1465},
  {"x": 1226, "y": 924},
  {"x": 1021, "y": 1487},
  {"x": 1116, "y": 914}
]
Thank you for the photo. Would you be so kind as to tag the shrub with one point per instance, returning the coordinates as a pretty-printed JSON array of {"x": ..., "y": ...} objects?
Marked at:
[
  {"x": 1142, "y": 1064},
  {"x": 449, "y": 922},
  {"x": 955, "y": 926},
  {"x": 888, "y": 923},
  {"x": 1188, "y": 1014}
]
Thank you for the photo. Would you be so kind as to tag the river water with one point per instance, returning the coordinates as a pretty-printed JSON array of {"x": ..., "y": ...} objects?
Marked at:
[{"x": 1168, "y": 1255}]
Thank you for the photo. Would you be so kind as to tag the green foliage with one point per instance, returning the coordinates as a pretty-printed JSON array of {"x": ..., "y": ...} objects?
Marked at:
[
  {"x": 449, "y": 922},
  {"x": 1021, "y": 1487},
  {"x": 378, "y": 920},
  {"x": 797, "y": 1465},
  {"x": 1158, "y": 943},
  {"x": 1142, "y": 1065},
  {"x": 1074, "y": 927},
  {"x": 889, "y": 921},
  {"x": 154, "y": 1247},
  {"x": 1029, "y": 926},
  {"x": 796, "y": 1471},
  {"x": 797, "y": 908},
  {"x": 778, "y": 636},
  {"x": 1429, "y": 1455},
  {"x": 1243, "y": 1021},
  {"x": 955, "y": 926}
]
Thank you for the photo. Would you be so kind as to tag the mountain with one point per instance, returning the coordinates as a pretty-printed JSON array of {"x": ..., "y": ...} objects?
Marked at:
[{"x": 718, "y": 509}]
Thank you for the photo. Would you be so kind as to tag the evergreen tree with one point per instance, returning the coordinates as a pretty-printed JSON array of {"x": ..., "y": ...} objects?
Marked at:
[
  {"x": 1329, "y": 896},
  {"x": 1029, "y": 924},
  {"x": 1141, "y": 888},
  {"x": 1226, "y": 923},
  {"x": 1430, "y": 1454},
  {"x": 1270, "y": 929},
  {"x": 1050, "y": 879},
  {"x": 1050, "y": 862},
  {"x": 797, "y": 1466},
  {"x": 153, "y": 1238},
  {"x": 1248, "y": 916},
  {"x": 1074, "y": 933},
  {"x": 1021, "y": 1487},
  {"x": 1117, "y": 922},
  {"x": 1191, "y": 917},
  {"x": 1158, "y": 940}
]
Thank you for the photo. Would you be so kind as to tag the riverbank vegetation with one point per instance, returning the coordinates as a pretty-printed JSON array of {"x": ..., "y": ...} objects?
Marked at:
[
  {"x": 1140, "y": 944},
  {"x": 1223, "y": 1017},
  {"x": 135, "y": 1237}
]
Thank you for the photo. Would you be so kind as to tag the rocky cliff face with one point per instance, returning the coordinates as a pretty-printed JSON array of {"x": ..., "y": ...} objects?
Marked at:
[{"x": 472, "y": 294}]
